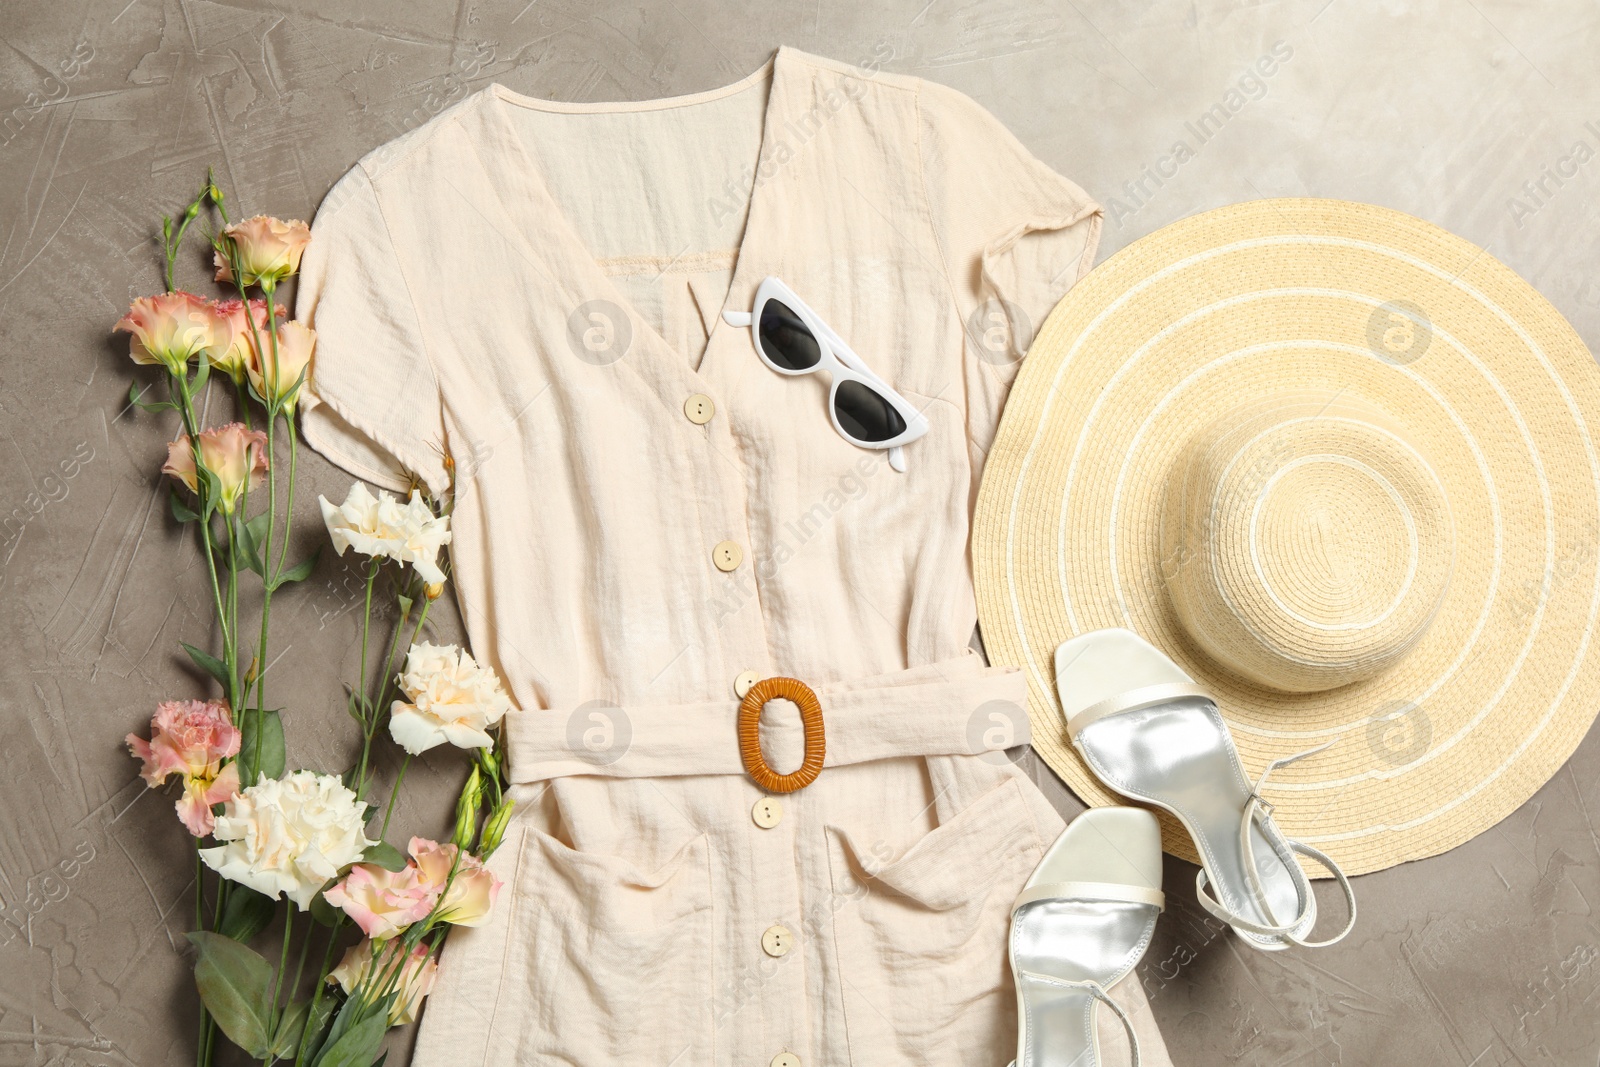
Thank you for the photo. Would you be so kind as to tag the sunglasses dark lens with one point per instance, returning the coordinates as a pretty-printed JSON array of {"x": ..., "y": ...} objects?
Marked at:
[
  {"x": 865, "y": 415},
  {"x": 786, "y": 339}
]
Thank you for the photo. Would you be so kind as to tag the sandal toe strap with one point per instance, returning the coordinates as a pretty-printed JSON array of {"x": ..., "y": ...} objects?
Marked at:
[{"x": 1108, "y": 891}]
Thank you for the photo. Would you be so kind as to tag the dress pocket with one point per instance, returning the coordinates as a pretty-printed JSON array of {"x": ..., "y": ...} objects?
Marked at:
[
  {"x": 921, "y": 938},
  {"x": 607, "y": 963}
]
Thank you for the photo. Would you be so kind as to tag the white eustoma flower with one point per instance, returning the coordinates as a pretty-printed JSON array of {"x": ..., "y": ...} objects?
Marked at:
[
  {"x": 452, "y": 699},
  {"x": 383, "y": 526},
  {"x": 289, "y": 836}
]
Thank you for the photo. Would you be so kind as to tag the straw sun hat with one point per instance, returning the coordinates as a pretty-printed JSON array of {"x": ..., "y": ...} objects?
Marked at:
[{"x": 1336, "y": 463}]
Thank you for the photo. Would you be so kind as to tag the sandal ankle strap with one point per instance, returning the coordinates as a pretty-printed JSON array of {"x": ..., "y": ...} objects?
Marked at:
[
  {"x": 1256, "y": 810},
  {"x": 1096, "y": 990}
]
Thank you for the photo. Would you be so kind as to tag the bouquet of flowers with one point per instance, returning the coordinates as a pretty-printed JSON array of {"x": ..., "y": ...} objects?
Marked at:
[{"x": 271, "y": 843}]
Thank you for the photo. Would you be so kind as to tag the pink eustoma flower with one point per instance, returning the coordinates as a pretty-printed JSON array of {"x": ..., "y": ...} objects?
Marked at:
[
  {"x": 269, "y": 250},
  {"x": 235, "y": 357},
  {"x": 383, "y": 902},
  {"x": 191, "y": 738},
  {"x": 173, "y": 328},
  {"x": 472, "y": 891},
  {"x": 296, "y": 342},
  {"x": 366, "y": 965},
  {"x": 236, "y": 455}
]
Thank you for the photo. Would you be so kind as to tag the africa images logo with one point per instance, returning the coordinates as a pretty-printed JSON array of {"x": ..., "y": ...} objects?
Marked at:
[{"x": 1250, "y": 86}]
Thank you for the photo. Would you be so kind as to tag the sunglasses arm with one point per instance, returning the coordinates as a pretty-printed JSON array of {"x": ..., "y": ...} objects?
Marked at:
[{"x": 736, "y": 318}]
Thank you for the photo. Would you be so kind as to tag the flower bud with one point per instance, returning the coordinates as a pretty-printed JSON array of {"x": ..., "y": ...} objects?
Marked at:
[
  {"x": 489, "y": 761},
  {"x": 494, "y": 831},
  {"x": 467, "y": 806},
  {"x": 433, "y": 590}
]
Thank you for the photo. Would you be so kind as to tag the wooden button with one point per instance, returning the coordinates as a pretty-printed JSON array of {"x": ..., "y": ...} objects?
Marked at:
[
  {"x": 727, "y": 555},
  {"x": 777, "y": 940},
  {"x": 768, "y": 812},
  {"x": 699, "y": 408},
  {"x": 786, "y": 1059},
  {"x": 742, "y": 684}
]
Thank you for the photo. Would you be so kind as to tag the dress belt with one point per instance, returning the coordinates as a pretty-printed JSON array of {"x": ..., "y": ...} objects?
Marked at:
[{"x": 956, "y": 706}]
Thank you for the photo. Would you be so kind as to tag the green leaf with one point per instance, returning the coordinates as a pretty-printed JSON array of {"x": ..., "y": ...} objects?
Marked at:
[
  {"x": 291, "y": 1024},
  {"x": 359, "y": 707},
  {"x": 181, "y": 509},
  {"x": 210, "y": 490},
  {"x": 316, "y": 1029},
  {"x": 354, "y": 1017},
  {"x": 255, "y": 393},
  {"x": 134, "y": 392},
  {"x": 200, "y": 375},
  {"x": 248, "y": 535},
  {"x": 246, "y": 914},
  {"x": 257, "y": 528},
  {"x": 358, "y": 1045},
  {"x": 300, "y": 571},
  {"x": 262, "y": 745},
  {"x": 386, "y": 856},
  {"x": 235, "y": 985},
  {"x": 208, "y": 663}
]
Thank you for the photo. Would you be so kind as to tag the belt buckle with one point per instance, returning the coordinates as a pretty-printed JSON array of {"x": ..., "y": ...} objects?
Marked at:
[{"x": 755, "y": 764}]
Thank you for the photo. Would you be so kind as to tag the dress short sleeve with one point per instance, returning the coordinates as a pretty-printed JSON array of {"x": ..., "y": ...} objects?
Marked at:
[
  {"x": 374, "y": 406},
  {"x": 1014, "y": 234}
]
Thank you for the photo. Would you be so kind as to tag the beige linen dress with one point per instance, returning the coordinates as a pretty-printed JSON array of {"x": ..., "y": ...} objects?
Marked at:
[{"x": 647, "y": 517}]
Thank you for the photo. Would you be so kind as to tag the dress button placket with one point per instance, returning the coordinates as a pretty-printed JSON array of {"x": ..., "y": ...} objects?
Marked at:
[{"x": 770, "y": 1010}]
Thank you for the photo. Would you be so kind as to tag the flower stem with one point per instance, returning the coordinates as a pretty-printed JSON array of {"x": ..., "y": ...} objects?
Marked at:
[
  {"x": 394, "y": 794},
  {"x": 380, "y": 706},
  {"x": 389, "y": 669},
  {"x": 267, "y": 577},
  {"x": 172, "y": 242},
  {"x": 288, "y": 504},
  {"x": 300, "y": 964},
  {"x": 185, "y": 400},
  {"x": 283, "y": 961},
  {"x": 322, "y": 980},
  {"x": 367, "y": 713},
  {"x": 203, "y": 1037},
  {"x": 199, "y": 888}
]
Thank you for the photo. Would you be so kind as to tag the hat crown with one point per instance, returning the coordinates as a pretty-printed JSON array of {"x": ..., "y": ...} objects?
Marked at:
[{"x": 1306, "y": 540}]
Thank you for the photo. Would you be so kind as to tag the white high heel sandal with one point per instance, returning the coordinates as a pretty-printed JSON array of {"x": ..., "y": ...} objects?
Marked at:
[
  {"x": 1081, "y": 923},
  {"x": 1149, "y": 732}
]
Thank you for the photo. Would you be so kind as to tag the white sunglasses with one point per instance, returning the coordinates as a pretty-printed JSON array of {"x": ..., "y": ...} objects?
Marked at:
[{"x": 792, "y": 339}]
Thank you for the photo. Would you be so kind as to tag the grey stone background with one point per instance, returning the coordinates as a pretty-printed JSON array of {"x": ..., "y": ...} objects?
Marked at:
[{"x": 1470, "y": 113}]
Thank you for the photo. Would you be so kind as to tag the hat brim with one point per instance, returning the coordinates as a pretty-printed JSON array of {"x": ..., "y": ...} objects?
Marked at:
[{"x": 1239, "y": 304}]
